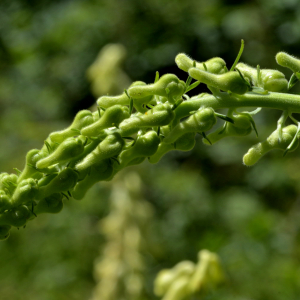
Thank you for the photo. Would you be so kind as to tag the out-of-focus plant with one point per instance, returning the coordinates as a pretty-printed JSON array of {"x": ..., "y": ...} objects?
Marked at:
[
  {"x": 187, "y": 279},
  {"x": 106, "y": 74},
  {"x": 119, "y": 270}
]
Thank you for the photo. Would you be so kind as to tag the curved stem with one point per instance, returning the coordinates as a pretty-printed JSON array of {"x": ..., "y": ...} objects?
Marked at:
[{"x": 280, "y": 101}]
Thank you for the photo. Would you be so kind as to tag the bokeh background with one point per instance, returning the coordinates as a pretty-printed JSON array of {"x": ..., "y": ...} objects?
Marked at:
[{"x": 203, "y": 199}]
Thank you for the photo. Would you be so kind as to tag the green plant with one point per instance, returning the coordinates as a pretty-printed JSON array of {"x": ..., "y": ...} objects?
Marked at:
[{"x": 147, "y": 121}]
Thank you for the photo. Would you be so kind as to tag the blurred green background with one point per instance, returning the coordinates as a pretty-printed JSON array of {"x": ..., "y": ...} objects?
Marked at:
[{"x": 201, "y": 199}]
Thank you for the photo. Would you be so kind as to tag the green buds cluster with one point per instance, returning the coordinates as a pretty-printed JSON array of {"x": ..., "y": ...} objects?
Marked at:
[{"x": 145, "y": 122}]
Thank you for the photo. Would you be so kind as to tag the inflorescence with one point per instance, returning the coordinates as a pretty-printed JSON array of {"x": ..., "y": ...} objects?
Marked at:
[{"x": 145, "y": 122}]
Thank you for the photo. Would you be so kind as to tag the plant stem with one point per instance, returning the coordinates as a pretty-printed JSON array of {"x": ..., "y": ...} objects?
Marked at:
[{"x": 280, "y": 101}]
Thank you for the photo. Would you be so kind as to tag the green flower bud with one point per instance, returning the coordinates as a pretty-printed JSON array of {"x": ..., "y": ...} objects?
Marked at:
[
  {"x": 64, "y": 181},
  {"x": 17, "y": 216},
  {"x": 4, "y": 202},
  {"x": 113, "y": 116},
  {"x": 288, "y": 61},
  {"x": 109, "y": 147},
  {"x": 82, "y": 119},
  {"x": 274, "y": 81},
  {"x": 185, "y": 143},
  {"x": 65, "y": 152},
  {"x": 30, "y": 171},
  {"x": 145, "y": 145},
  {"x": 25, "y": 192},
  {"x": 272, "y": 142},
  {"x": 8, "y": 182},
  {"x": 52, "y": 204},
  {"x": 98, "y": 172},
  {"x": 201, "y": 121},
  {"x": 241, "y": 127},
  {"x": 168, "y": 86},
  {"x": 270, "y": 80},
  {"x": 230, "y": 81},
  {"x": 4, "y": 232},
  {"x": 108, "y": 101},
  {"x": 160, "y": 115},
  {"x": 214, "y": 65}
]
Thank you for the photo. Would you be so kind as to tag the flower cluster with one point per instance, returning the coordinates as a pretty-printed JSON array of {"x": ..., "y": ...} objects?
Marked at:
[{"x": 145, "y": 122}]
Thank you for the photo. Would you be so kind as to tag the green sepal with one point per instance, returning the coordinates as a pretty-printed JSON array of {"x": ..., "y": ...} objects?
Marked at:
[
  {"x": 192, "y": 86},
  {"x": 18, "y": 171},
  {"x": 245, "y": 81},
  {"x": 205, "y": 137},
  {"x": 187, "y": 83},
  {"x": 177, "y": 103},
  {"x": 238, "y": 56},
  {"x": 156, "y": 76},
  {"x": 252, "y": 122},
  {"x": 293, "y": 80},
  {"x": 224, "y": 117}
]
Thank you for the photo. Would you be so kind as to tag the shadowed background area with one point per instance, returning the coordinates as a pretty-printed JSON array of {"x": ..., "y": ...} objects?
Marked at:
[{"x": 200, "y": 199}]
